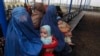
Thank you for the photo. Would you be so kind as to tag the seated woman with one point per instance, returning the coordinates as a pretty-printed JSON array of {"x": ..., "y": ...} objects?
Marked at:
[
  {"x": 50, "y": 18},
  {"x": 49, "y": 41},
  {"x": 22, "y": 38}
]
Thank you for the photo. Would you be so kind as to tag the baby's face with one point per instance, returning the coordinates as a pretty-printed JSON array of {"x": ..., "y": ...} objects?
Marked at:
[
  {"x": 43, "y": 33},
  {"x": 60, "y": 22}
]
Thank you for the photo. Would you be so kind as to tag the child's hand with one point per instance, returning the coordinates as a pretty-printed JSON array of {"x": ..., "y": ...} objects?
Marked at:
[{"x": 49, "y": 50}]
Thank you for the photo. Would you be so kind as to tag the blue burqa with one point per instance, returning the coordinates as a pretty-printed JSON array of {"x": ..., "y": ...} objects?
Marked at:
[
  {"x": 22, "y": 39},
  {"x": 50, "y": 18}
]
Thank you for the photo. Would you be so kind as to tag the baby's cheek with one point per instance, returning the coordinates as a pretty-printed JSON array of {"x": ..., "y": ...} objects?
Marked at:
[{"x": 41, "y": 35}]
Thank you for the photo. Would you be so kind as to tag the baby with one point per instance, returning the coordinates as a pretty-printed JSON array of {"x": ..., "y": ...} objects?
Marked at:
[
  {"x": 49, "y": 41},
  {"x": 66, "y": 30}
]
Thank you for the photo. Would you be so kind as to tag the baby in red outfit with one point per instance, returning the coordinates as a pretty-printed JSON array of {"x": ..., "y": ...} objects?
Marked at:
[{"x": 49, "y": 41}]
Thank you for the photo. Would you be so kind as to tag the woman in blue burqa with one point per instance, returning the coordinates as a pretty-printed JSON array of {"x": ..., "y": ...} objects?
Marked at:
[
  {"x": 22, "y": 39},
  {"x": 50, "y": 18}
]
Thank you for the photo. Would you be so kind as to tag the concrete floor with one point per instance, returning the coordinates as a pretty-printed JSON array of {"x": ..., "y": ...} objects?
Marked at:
[{"x": 86, "y": 35}]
